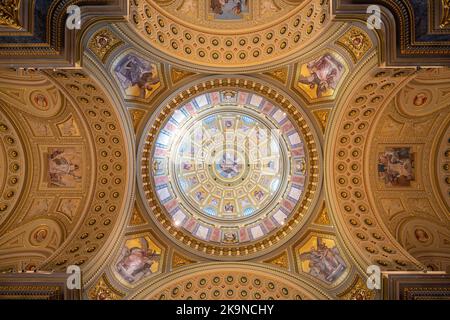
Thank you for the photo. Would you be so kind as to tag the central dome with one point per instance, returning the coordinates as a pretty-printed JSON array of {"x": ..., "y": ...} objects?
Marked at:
[
  {"x": 230, "y": 163},
  {"x": 228, "y": 167}
]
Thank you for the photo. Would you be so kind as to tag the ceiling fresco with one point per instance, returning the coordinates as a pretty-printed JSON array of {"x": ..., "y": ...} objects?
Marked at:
[
  {"x": 229, "y": 165},
  {"x": 241, "y": 149},
  {"x": 228, "y": 168}
]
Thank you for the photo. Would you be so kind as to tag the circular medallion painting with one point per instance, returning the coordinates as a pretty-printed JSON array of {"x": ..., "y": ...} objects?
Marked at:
[
  {"x": 229, "y": 163},
  {"x": 228, "y": 167}
]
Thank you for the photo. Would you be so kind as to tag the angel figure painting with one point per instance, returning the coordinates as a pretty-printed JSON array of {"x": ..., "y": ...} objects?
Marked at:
[
  {"x": 229, "y": 9},
  {"x": 139, "y": 257},
  {"x": 396, "y": 167},
  {"x": 64, "y": 167},
  {"x": 138, "y": 77},
  {"x": 319, "y": 78},
  {"x": 321, "y": 258}
]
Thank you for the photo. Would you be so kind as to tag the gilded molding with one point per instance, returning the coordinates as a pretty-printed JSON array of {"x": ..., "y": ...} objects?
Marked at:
[
  {"x": 295, "y": 220},
  {"x": 112, "y": 174},
  {"x": 103, "y": 290},
  {"x": 281, "y": 260},
  {"x": 180, "y": 261},
  {"x": 356, "y": 42},
  {"x": 103, "y": 42},
  {"x": 9, "y": 13},
  {"x": 445, "y": 14},
  {"x": 12, "y": 165},
  {"x": 177, "y": 74},
  {"x": 357, "y": 291}
]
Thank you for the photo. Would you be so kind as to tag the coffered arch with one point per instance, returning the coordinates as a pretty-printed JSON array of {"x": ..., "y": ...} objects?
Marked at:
[
  {"x": 66, "y": 174},
  {"x": 266, "y": 280},
  {"x": 297, "y": 29},
  {"x": 351, "y": 163}
]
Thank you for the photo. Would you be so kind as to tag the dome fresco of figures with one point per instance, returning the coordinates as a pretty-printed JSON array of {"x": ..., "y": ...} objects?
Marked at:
[{"x": 230, "y": 159}]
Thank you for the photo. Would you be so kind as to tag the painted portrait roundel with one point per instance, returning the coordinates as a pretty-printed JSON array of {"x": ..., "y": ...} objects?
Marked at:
[{"x": 228, "y": 167}]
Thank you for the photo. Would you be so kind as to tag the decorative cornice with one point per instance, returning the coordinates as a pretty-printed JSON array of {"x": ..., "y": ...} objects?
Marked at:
[
  {"x": 357, "y": 291},
  {"x": 282, "y": 260},
  {"x": 51, "y": 44},
  {"x": 9, "y": 13},
  {"x": 408, "y": 36}
]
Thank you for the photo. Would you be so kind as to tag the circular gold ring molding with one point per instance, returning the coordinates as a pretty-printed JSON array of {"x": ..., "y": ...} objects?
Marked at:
[{"x": 277, "y": 236}]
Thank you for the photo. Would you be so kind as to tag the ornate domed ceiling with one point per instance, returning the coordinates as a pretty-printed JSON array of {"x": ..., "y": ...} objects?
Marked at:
[
  {"x": 224, "y": 149},
  {"x": 230, "y": 34},
  {"x": 229, "y": 169}
]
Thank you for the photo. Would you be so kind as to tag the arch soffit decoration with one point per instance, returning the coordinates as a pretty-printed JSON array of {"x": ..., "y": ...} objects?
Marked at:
[
  {"x": 295, "y": 283},
  {"x": 89, "y": 233},
  {"x": 54, "y": 44},
  {"x": 304, "y": 15},
  {"x": 355, "y": 212}
]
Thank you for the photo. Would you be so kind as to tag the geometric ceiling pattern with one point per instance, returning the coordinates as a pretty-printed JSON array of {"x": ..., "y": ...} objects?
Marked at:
[
  {"x": 241, "y": 168},
  {"x": 264, "y": 149}
]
